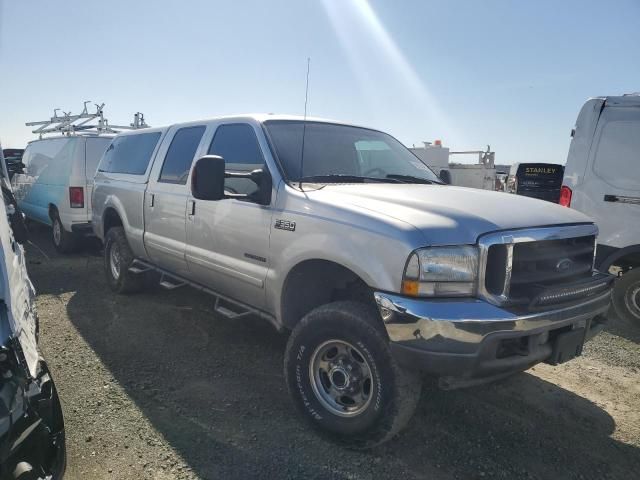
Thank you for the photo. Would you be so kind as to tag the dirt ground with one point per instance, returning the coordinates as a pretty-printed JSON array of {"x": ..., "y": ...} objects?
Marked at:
[{"x": 154, "y": 386}]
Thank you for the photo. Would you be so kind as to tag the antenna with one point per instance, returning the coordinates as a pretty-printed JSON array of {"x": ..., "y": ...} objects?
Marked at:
[{"x": 304, "y": 122}]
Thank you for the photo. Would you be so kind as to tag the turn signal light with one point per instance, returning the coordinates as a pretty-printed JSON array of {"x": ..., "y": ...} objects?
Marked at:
[
  {"x": 76, "y": 197},
  {"x": 565, "y": 196},
  {"x": 411, "y": 287}
]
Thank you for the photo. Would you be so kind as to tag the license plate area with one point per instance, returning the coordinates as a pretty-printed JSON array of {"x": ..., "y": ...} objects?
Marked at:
[{"x": 567, "y": 346}]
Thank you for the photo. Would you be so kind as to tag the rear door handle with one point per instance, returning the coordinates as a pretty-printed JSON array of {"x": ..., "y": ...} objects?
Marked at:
[
  {"x": 620, "y": 199},
  {"x": 152, "y": 199},
  {"x": 192, "y": 207}
]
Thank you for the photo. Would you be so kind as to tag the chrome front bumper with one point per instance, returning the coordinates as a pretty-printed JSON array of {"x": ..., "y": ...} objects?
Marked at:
[{"x": 467, "y": 337}]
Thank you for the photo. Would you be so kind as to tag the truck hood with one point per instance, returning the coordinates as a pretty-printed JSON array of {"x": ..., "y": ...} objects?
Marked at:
[{"x": 448, "y": 215}]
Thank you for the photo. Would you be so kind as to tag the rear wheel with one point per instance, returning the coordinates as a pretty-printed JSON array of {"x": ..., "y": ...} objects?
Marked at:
[
  {"x": 118, "y": 257},
  {"x": 343, "y": 378},
  {"x": 65, "y": 242},
  {"x": 626, "y": 296}
]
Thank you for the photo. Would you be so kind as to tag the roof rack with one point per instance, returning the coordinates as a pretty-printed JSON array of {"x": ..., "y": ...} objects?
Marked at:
[{"x": 69, "y": 124}]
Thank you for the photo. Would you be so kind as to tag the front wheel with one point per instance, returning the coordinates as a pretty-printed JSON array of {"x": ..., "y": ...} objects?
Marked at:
[
  {"x": 343, "y": 378},
  {"x": 626, "y": 296}
]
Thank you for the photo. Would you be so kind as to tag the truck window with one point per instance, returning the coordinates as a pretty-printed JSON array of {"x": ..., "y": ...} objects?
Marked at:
[
  {"x": 617, "y": 159},
  {"x": 130, "y": 153},
  {"x": 238, "y": 145},
  {"x": 179, "y": 158},
  {"x": 94, "y": 150}
]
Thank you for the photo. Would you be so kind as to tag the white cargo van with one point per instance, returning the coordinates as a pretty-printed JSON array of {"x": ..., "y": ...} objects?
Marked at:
[
  {"x": 602, "y": 179},
  {"x": 55, "y": 185}
]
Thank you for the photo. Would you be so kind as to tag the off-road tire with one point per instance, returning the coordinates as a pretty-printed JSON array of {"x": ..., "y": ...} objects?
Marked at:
[
  {"x": 394, "y": 392},
  {"x": 626, "y": 297},
  {"x": 125, "y": 282},
  {"x": 63, "y": 241}
]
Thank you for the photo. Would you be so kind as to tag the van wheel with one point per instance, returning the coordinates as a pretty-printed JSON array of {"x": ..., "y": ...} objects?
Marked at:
[
  {"x": 343, "y": 378},
  {"x": 118, "y": 257},
  {"x": 626, "y": 296},
  {"x": 65, "y": 242}
]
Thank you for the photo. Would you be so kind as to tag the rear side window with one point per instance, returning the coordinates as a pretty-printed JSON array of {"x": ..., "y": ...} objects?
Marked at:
[
  {"x": 179, "y": 158},
  {"x": 50, "y": 157},
  {"x": 617, "y": 159},
  {"x": 238, "y": 145},
  {"x": 94, "y": 150},
  {"x": 130, "y": 153}
]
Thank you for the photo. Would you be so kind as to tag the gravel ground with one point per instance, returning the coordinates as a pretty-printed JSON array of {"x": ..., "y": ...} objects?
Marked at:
[{"x": 154, "y": 386}]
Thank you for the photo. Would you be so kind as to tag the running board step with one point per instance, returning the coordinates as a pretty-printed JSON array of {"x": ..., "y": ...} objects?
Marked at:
[
  {"x": 134, "y": 269},
  {"x": 138, "y": 267},
  {"x": 227, "y": 312},
  {"x": 168, "y": 282}
]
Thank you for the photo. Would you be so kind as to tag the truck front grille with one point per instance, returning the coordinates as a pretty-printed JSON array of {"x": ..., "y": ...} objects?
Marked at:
[{"x": 538, "y": 266}]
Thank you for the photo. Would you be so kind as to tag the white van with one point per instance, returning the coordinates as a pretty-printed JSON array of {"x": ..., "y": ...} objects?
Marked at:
[
  {"x": 55, "y": 185},
  {"x": 602, "y": 179}
]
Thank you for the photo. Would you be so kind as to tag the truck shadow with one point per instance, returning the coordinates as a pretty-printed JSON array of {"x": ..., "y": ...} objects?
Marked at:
[{"x": 214, "y": 389}]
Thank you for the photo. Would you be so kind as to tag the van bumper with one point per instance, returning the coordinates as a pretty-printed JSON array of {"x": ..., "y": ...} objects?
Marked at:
[
  {"x": 470, "y": 341},
  {"x": 82, "y": 228}
]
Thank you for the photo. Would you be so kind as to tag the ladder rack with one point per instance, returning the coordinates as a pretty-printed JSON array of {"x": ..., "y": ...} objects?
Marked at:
[{"x": 68, "y": 124}]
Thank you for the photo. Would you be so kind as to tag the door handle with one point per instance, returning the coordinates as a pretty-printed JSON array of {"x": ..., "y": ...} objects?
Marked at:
[
  {"x": 192, "y": 207},
  {"x": 152, "y": 199},
  {"x": 621, "y": 199}
]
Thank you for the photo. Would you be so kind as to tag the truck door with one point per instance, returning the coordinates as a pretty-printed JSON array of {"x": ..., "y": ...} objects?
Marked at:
[
  {"x": 228, "y": 240},
  {"x": 611, "y": 190},
  {"x": 166, "y": 199}
]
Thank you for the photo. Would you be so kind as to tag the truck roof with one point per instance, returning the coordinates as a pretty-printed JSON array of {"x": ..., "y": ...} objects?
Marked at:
[{"x": 258, "y": 117}]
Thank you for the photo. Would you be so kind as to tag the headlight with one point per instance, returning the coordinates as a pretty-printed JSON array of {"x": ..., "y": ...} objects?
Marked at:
[{"x": 441, "y": 272}]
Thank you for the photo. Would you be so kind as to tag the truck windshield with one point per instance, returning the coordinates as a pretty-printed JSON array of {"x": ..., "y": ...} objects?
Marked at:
[{"x": 344, "y": 154}]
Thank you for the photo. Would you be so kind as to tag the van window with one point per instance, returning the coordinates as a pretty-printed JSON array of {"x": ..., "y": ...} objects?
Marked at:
[
  {"x": 179, "y": 158},
  {"x": 617, "y": 159},
  {"x": 238, "y": 145},
  {"x": 94, "y": 150},
  {"x": 56, "y": 152},
  {"x": 130, "y": 153}
]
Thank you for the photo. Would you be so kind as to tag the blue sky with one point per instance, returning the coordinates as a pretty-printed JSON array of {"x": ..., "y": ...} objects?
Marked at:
[{"x": 512, "y": 74}]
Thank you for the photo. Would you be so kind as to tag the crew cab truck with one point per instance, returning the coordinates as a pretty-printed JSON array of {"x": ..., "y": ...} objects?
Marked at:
[
  {"x": 343, "y": 237},
  {"x": 602, "y": 179}
]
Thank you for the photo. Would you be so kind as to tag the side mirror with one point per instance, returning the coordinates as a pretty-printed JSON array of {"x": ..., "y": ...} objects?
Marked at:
[
  {"x": 445, "y": 176},
  {"x": 207, "y": 181}
]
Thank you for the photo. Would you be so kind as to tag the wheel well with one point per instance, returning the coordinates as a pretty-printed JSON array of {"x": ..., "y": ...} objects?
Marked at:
[
  {"x": 111, "y": 219},
  {"x": 317, "y": 282},
  {"x": 53, "y": 210},
  {"x": 624, "y": 259}
]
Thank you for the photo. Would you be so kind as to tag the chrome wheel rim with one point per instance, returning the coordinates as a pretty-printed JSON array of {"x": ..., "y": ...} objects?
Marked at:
[
  {"x": 341, "y": 378},
  {"x": 114, "y": 261},
  {"x": 57, "y": 232}
]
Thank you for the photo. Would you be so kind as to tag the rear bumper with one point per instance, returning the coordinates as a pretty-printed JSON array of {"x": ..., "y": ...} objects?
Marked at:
[
  {"x": 469, "y": 341},
  {"x": 82, "y": 228}
]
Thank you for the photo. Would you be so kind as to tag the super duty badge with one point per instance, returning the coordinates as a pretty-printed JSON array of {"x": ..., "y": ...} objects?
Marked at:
[{"x": 286, "y": 225}]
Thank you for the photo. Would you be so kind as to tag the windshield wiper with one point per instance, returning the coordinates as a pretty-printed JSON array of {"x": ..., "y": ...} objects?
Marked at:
[
  {"x": 412, "y": 179},
  {"x": 342, "y": 178}
]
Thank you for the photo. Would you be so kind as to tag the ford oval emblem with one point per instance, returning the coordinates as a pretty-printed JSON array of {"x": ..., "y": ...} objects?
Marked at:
[{"x": 564, "y": 264}]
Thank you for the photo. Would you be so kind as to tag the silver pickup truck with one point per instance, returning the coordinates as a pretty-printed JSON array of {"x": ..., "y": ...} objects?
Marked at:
[{"x": 343, "y": 237}]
